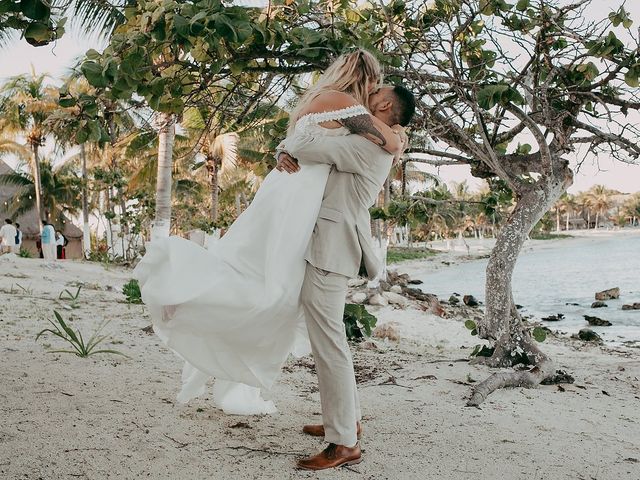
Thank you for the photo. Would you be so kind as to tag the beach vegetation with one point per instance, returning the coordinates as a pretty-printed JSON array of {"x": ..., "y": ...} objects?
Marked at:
[
  {"x": 72, "y": 298},
  {"x": 402, "y": 254},
  {"x": 131, "y": 291},
  {"x": 76, "y": 340},
  {"x": 358, "y": 322}
]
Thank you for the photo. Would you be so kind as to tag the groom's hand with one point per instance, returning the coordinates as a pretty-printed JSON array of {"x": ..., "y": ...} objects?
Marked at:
[{"x": 286, "y": 163}]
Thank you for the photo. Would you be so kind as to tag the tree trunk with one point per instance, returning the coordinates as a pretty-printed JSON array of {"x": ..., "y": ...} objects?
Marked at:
[
  {"x": 557, "y": 220},
  {"x": 166, "y": 137},
  {"x": 502, "y": 324},
  {"x": 37, "y": 184},
  {"x": 238, "y": 205},
  {"x": 597, "y": 218},
  {"x": 212, "y": 167},
  {"x": 567, "y": 225},
  {"x": 86, "y": 233}
]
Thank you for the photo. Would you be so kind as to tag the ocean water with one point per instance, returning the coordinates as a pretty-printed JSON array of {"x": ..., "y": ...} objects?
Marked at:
[{"x": 572, "y": 270}]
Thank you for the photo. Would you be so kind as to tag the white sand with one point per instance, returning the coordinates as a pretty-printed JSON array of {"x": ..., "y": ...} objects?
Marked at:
[{"x": 109, "y": 417}]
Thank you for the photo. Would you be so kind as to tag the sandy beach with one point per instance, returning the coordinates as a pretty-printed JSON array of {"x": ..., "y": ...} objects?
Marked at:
[{"x": 107, "y": 416}]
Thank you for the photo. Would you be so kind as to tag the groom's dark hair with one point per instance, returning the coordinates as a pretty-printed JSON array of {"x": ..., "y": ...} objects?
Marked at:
[{"x": 404, "y": 105}]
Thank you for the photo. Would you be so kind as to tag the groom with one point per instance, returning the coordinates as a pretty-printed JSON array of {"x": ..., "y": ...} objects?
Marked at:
[{"x": 341, "y": 241}]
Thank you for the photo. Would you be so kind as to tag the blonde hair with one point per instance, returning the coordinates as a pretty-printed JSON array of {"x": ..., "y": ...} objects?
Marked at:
[{"x": 351, "y": 73}]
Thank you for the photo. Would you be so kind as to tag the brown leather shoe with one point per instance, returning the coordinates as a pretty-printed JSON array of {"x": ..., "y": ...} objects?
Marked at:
[
  {"x": 331, "y": 457},
  {"x": 318, "y": 430}
]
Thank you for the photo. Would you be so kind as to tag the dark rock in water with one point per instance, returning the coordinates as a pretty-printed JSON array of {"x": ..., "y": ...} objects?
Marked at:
[
  {"x": 559, "y": 377},
  {"x": 456, "y": 294},
  {"x": 470, "y": 301},
  {"x": 635, "y": 306},
  {"x": 608, "y": 294},
  {"x": 589, "y": 336},
  {"x": 415, "y": 281},
  {"x": 453, "y": 300},
  {"x": 599, "y": 304},
  {"x": 597, "y": 322},
  {"x": 554, "y": 318},
  {"x": 573, "y": 304},
  {"x": 519, "y": 307}
]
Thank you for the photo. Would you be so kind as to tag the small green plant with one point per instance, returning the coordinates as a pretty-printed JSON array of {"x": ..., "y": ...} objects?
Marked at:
[
  {"x": 73, "y": 298},
  {"x": 75, "y": 339},
  {"x": 131, "y": 290},
  {"x": 24, "y": 253},
  {"x": 478, "y": 350},
  {"x": 358, "y": 323}
]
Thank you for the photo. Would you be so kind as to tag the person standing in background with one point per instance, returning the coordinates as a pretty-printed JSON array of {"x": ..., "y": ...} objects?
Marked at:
[
  {"x": 18, "y": 238},
  {"x": 61, "y": 241},
  {"x": 8, "y": 236},
  {"x": 48, "y": 241}
]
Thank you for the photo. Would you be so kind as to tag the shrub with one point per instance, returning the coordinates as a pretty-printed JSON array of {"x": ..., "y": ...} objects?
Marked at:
[
  {"x": 358, "y": 323},
  {"x": 131, "y": 290}
]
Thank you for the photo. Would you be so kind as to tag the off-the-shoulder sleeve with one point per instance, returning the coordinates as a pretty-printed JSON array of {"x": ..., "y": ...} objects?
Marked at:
[{"x": 340, "y": 114}]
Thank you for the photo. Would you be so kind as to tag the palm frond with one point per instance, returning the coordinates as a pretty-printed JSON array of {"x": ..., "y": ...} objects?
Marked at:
[{"x": 95, "y": 16}]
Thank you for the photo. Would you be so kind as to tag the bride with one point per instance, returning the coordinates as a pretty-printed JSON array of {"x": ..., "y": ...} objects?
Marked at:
[{"x": 232, "y": 312}]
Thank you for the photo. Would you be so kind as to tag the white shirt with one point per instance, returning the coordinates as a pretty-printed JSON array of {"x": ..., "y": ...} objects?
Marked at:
[
  {"x": 60, "y": 240},
  {"x": 8, "y": 234}
]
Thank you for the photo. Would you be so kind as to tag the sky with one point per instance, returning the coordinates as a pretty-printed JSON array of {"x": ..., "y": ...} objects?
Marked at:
[{"x": 19, "y": 57}]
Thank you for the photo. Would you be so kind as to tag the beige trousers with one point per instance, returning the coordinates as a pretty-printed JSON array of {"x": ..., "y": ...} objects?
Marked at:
[
  {"x": 49, "y": 251},
  {"x": 323, "y": 296}
]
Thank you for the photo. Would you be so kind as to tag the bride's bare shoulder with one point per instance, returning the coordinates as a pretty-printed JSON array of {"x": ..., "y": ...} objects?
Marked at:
[{"x": 330, "y": 101}]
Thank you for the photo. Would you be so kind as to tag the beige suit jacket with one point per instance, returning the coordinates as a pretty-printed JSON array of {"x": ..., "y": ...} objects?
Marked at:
[{"x": 341, "y": 238}]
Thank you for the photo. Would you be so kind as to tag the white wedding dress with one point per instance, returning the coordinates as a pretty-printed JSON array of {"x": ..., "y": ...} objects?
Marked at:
[{"x": 233, "y": 312}]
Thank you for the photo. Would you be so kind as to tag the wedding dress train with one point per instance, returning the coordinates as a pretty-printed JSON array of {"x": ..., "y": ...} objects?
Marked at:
[{"x": 232, "y": 312}]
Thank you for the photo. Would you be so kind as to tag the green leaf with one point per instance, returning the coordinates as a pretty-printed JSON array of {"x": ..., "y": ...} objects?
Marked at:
[
  {"x": 540, "y": 334},
  {"x": 524, "y": 149},
  {"x": 225, "y": 28},
  {"x": 181, "y": 26},
  {"x": 491, "y": 95},
  {"x": 35, "y": 9},
  {"x": 470, "y": 324},
  {"x": 522, "y": 5},
  {"x": 38, "y": 33},
  {"x": 631, "y": 78},
  {"x": 66, "y": 102},
  {"x": 82, "y": 136},
  {"x": 486, "y": 7},
  {"x": 93, "y": 73}
]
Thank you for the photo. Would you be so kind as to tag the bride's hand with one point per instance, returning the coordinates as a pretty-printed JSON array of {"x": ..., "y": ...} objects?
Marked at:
[
  {"x": 286, "y": 163},
  {"x": 401, "y": 132}
]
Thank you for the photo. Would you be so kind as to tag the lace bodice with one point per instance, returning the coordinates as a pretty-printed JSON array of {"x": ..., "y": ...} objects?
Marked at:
[{"x": 310, "y": 123}]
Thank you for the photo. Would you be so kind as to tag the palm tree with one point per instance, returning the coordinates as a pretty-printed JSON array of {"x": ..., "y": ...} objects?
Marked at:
[
  {"x": 631, "y": 209},
  {"x": 103, "y": 155},
  {"x": 569, "y": 205},
  {"x": 25, "y": 104},
  {"x": 60, "y": 187},
  {"x": 599, "y": 198}
]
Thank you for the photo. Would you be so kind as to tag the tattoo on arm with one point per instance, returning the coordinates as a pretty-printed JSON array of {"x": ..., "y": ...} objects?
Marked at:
[{"x": 363, "y": 125}]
